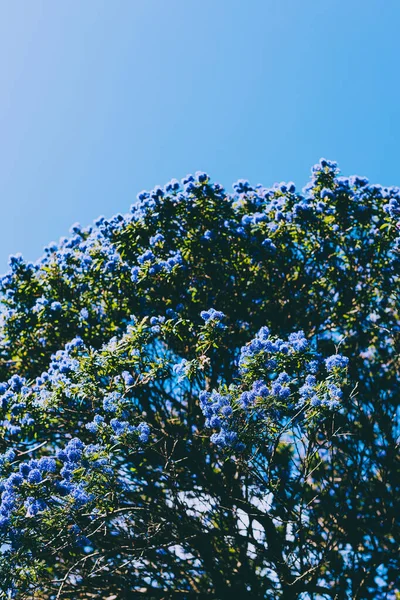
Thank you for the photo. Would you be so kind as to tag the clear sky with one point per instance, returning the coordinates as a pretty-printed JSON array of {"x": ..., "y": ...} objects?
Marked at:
[{"x": 100, "y": 99}]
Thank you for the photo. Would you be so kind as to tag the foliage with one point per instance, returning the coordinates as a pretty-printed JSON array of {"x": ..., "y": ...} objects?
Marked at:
[{"x": 200, "y": 398}]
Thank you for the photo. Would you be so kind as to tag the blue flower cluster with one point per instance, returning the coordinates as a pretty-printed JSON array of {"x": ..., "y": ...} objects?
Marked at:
[
  {"x": 40, "y": 483},
  {"x": 7, "y": 458},
  {"x": 310, "y": 393},
  {"x": 218, "y": 412},
  {"x": 337, "y": 361},
  {"x": 75, "y": 456},
  {"x": 118, "y": 427},
  {"x": 279, "y": 379},
  {"x": 264, "y": 343},
  {"x": 149, "y": 263},
  {"x": 13, "y": 405},
  {"x": 393, "y": 206},
  {"x": 212, "y": 317},
  {"x": 16, "y": 485},
  {"x": 180, "y": 369}
]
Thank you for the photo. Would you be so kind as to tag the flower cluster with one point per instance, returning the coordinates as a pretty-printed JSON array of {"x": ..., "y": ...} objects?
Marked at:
[
  {"x": 149, "y": 263},
  {"x": 213, "y": 317},
  {"x": 77, "y": 473},
  {"x": 276, "y": 385},
  {"x": 39, "y": 484},
  {"x": 118, "y": 427}
]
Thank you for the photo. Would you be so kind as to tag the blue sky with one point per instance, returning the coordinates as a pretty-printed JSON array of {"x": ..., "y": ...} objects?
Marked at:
[{"x": 101, "y": 99}]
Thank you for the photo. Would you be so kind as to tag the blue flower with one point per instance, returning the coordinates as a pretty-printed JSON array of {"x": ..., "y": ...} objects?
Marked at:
[
  {"x": 212, "y": 315},
  {"x": 145, "y": 257},
  {"x": 208, "y": 235},
  {"x": 393, "y": 207},
  {"x": 337, "y": 361},
  {"x": 34, "y": 476},
  {"x": 80, "y": 495},
  {"x": 47, "y": 464},
  {"x": 201, "y": 177},
  {"x": 95, "y": 424},
  {"x": 180, "y": 368},
  {"x": 269, "y": 245},
  {"x": 142, "y": 195},
  {"x": 190, "y": 187},
  {"x": 334, "y": 391},
  {"x": 315, "y": 401},
  {"x": 326, "y": 193},
  {"x": 260, "y": 389},
  {"x": 156, "y": 239},
  {"x": 324, "y": 165},
  {"x": 8, "y": 457},
  {"x": 298, "y": 341},
  {"x": 14, "y": 480},
  {"x": 128, "y": 378},
  {"x": 219, "y": 439},
  {"x": 34, "y": 506},
  {"x": 242, "y": 186},
  {"x": 144, "y": 432},
  {"x": 75, "y": 343},
  {"x": 135, "y": 274},
  {"x": 172, "y": 186},
  {"x": 119, "y": 427},
  {"x": 226, "y": 411},
  {"x": 84, "y": 314},
  {"x": 280, "y": 390},
  {"x": 16, "y": 383},
  {"x": 4, "y": 521},
  {"x": 312, "y": 366},
  {"x": 111, "y": 402},
  {"x": 154, "y": 269}
]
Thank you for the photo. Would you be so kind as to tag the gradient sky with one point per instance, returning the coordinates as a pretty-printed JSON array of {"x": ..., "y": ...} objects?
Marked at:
[{"x": 100, "y": 99}]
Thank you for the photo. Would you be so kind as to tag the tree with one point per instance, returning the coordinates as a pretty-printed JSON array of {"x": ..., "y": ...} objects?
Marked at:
[{"x": 200, "y": 398}]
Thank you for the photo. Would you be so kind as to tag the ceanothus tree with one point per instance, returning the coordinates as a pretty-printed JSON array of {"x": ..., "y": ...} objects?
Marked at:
[{"x": 200, "y": 398}]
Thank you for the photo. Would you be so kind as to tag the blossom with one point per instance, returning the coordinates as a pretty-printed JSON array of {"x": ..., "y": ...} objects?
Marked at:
[
  {"x": 34, "y": 476},
  {"x": 144, "y": 432},
  {"x": 84, "y": 313},
  {"x": 135, "y": 273},
  {"x": 47, "y": 464},
  {"x": 128, "y": 378},
  {"x": 156, "y": 239},
  {"x": 212, "y": 315},
  {"x": 336, "y": 361},
  {"x": 202, "y": 177},
  {"x": 111, "y": 402},
  {"x": 94, "y": 425}
]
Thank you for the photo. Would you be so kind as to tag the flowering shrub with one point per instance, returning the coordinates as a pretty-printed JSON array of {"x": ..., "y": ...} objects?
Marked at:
[{"x": 201, "y": 397}]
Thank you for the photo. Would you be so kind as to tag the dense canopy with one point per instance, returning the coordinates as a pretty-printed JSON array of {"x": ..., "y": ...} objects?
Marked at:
[{"x": 200, "y": 398}]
